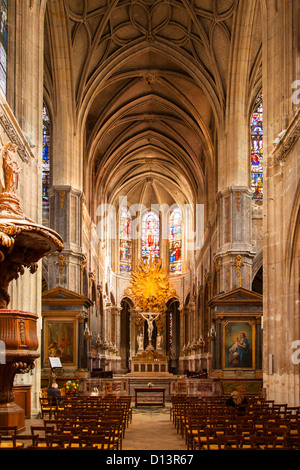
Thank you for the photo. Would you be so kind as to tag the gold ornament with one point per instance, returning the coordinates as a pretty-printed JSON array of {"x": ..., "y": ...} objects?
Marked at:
[{"x": 150, "y": 287}]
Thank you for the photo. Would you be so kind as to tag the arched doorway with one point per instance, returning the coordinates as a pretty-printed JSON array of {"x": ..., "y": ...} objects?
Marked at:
[{"x": 257, "y": 283}]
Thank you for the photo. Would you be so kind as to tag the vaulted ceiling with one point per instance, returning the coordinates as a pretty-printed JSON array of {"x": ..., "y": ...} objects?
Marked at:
[{"x": 149, "y": 84}]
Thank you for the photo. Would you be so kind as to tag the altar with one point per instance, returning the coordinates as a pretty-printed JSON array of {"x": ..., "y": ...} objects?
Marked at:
[
  {"x": 153, "y": 396},
  {"x": 149, "y": 362}
]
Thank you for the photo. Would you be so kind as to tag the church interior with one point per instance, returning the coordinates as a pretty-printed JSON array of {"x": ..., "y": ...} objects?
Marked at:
[{"x": 149, "y": 203}]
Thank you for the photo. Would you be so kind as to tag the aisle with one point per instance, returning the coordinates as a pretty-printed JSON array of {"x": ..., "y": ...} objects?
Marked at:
[{"x": 152, "y": 429}]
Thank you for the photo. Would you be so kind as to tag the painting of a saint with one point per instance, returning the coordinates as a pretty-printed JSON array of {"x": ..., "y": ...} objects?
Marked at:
[
  {"x": 238, "y": 339},
  {"x": 60, "y": 341}
]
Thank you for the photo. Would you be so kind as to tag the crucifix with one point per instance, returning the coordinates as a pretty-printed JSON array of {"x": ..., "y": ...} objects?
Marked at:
[
  {"x": 150, "y": 317},
  {"x": 239, "y": 263},
  {"x": 61, "y": 263}
]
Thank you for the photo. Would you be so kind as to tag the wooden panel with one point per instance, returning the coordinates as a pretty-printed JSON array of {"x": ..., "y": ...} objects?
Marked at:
[{"x": 23, "y": 398}]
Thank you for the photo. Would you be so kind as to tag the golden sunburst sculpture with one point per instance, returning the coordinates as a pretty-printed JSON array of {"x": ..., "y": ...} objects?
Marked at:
[{"x": 150, "y": 288}]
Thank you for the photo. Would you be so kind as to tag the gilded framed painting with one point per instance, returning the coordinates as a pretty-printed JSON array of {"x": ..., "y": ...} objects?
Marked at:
[
  {"x": 60, "y": 341},
  {"x": 238, "y": 345}
]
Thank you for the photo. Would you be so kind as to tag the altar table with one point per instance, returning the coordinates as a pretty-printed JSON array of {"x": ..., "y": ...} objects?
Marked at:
[{"x": 148, "y": 391}]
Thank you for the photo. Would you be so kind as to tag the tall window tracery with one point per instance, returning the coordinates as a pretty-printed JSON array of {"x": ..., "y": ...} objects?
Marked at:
[
  {"x": 257, "y": 149},
  {"x": 175, "y": 242},
  {"x": 125, "y": 241},
  {"x": 150, "y": 235},
  {"x": 3, "y": 45}
]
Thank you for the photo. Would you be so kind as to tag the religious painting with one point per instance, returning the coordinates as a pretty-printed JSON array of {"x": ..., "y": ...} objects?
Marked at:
[
  {"x": 60, "y": 341},
  {"x": 238, "y": 344}
]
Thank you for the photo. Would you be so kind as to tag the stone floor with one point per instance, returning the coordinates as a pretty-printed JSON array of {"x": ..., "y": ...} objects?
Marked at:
[{"x": 150, "y": 429}]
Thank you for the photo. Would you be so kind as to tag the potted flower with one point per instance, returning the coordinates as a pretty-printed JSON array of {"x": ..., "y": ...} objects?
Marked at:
[
  {"x": 150, "y": 384},
  {"x": 71, "y": 388}
]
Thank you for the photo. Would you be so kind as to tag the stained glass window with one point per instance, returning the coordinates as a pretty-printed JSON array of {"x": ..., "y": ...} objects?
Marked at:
[
  {"x": 150, "y": 235},
  {"x": 3, "y": 44},
  {"x": 125, "y": 241},
  {"x": 257, "y": 149},
  {"x": 175, "y": 242},
  {"x": 46, "y": 162}
]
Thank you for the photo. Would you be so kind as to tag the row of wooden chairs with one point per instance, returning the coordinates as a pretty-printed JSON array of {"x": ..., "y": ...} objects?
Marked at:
[
  {"x": 207, "y": 423},
  {"x": 83, "y": 420},
  {"x": 52, "y": 406},
  {"x": 73, "y": 422}
]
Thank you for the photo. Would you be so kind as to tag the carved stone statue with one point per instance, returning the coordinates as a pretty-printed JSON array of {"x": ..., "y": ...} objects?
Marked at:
[
  {"x": 140, "y": 341},
  {"x": 10, "y": 167},
  {"x": 159, "y": 339}
]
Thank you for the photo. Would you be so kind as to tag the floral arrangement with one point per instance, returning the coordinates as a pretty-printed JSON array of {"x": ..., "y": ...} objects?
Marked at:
[
  {"x": 70, "y": 387},
  {"x": 150, "y": 384}
]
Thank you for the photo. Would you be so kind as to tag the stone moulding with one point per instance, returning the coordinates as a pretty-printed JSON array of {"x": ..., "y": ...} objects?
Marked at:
[
  {"x": 281, "y": 152},
  {"x": 14, "y": 133}
]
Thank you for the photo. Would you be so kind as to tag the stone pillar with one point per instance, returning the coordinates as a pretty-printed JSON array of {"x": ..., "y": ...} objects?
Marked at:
[
  {"x": 281, "y": 204},
  {"x": 235, "y": 250},
  {"x": 25, "y": 108},
  {"x": 82, "y": 343}
]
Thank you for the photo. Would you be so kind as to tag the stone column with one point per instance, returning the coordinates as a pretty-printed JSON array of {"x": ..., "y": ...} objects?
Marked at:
[
  {"x": 235, "y": 250},
  {"x": 24, "y": 127},
  {"x": 281, "y": 201},
  {"x": 82, "y": 343}
]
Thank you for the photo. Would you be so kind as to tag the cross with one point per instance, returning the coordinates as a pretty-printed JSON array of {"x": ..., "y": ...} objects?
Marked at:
[
  {"x": 61, "y": 263},
  {"x": 239, "y": 263}
]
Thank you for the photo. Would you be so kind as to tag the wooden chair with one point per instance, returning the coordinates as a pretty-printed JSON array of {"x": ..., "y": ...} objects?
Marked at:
[
  {"x": 41, "y": 432},
  {"x": 113, "y": 430},
  {"x": 8, "y": 436},
  {"x": 263, "y": 442},
  {"x": 292, "y": 442},
  {"x": 60, "y": 441},
  {"x": 245, "y": 431},
  {"x": 198, "y": 438},
  {"x": 209, "y": 440},
  {"x": 8, "y": 430},
  {"x": 229, "y": 442},
  {"x": 26, "y": 440},
  {"x": 48, "y": 408},
  {"x": 192, "y": 430},
  {"x": 98, "y": 441}
]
